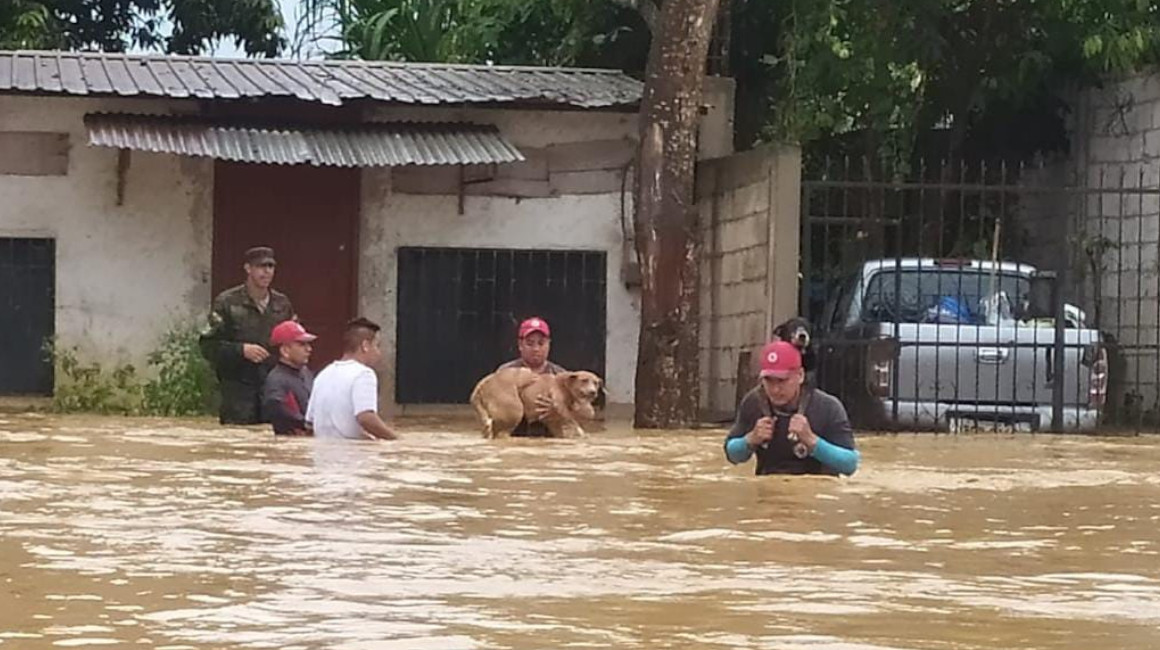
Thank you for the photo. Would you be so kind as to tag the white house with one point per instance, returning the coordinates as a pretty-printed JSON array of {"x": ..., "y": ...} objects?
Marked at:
[{"x": 445, "y": 202}]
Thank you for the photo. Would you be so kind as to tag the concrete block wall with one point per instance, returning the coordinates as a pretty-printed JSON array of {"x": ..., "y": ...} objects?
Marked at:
[
  {"x": 1116, "y": 141},
  {"x": 748, "y": 205}
]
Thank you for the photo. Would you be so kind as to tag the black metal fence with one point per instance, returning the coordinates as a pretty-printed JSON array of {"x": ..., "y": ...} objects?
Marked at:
[
  {"x": 459, "y": 309},
  {"x": 995, "y": 297},
  {"x": 27, "y": 314}
]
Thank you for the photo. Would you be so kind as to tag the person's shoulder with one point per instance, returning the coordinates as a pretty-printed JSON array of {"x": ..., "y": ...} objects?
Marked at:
[
  {"x": 327, "y": 371},
  {"x": 278, "y": 297},
  {"x": 750, "y": 405},
  {"x": 825, "y": 400},
  {"x": 555, "y": 368},
  {"x": 279, "y": 371},
  {"x": 823, "y": 404},
  {"x": 753, "y": 397},
  {"x": 231, "y": 296}
]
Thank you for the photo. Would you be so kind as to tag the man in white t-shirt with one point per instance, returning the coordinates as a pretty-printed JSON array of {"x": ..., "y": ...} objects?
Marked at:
[{"x": 345, "y": 400}]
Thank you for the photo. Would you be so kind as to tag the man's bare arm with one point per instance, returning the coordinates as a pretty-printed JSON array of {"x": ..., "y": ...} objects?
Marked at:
[{"x": 374, "y": 425}]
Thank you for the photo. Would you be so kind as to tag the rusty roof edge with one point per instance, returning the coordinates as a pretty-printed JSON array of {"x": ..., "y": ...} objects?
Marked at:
[
  {"x": 238, "y": 123},
  {"x": 343, "y": 145}
]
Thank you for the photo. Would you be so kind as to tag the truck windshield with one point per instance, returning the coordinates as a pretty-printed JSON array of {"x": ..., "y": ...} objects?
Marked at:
[{"x": 941, "y": 295}]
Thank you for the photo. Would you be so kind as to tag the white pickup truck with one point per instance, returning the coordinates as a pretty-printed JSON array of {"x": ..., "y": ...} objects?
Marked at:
[{"x": 925, "y": 344}]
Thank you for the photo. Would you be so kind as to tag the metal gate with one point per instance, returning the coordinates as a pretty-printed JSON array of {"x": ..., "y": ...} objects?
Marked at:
[
  {"x": 27, "y": 314},
  {"x": 458, "y": 311},
  {"x": 996, "y": 297}
]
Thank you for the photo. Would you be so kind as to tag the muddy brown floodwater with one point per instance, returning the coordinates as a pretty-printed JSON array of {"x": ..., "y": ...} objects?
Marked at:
[{"x": 150, "y": 534}]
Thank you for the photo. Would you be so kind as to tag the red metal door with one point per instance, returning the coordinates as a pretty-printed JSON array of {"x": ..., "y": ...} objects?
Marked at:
[{"x": 309, "y": 215}]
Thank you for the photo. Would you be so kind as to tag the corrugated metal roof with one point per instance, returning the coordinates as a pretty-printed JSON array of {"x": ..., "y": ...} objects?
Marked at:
[
  {"x": 328, "y": 82},
  {"x": 364, "y": 145}
]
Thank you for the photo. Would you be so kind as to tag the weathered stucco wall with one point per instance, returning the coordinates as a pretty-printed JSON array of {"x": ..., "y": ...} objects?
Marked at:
[
  {"x": 124, "y": 273},
  {"x": 567, "y": 196}
]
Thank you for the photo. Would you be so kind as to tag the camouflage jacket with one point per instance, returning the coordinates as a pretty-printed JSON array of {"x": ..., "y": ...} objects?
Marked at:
[{"x": 236, "y": 320}]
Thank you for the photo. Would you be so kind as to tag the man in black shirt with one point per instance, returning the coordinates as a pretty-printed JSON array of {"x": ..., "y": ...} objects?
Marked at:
[
  {"x": 792, "y": 429},
  {"x": 286, "y": 391}
]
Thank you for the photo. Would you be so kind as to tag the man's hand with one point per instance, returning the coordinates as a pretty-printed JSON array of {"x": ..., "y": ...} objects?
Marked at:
[
  {"x": 799, "y": 426},
  {"x": 254, "y": 353},
  {"x": 545, "y": 407},
  {"x": 374, "y": 427},
  {"x": 761, "y": 434}
]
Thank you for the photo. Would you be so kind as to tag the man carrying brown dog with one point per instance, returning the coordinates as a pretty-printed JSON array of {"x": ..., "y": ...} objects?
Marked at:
[{"x": 534, "y": 343}]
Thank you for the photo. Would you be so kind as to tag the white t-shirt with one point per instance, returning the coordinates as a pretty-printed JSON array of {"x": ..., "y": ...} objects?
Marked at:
[{"x": 341, "y": 391}]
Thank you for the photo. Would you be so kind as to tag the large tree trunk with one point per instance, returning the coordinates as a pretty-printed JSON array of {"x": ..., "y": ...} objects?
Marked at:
[{"x": 667, "y": 382}]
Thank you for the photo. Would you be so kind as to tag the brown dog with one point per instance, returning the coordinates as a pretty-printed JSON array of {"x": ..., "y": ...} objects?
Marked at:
[{"x": 506, "y": 396}]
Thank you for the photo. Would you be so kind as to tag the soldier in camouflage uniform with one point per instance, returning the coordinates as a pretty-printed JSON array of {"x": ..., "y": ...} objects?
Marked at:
[{"x": 237, "y": 340}]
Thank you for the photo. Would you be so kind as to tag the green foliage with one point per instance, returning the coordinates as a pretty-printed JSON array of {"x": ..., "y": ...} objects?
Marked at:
[
  {"x": 896, "y": 71},
  {"x": 175, "y": 26},
  {"x": 25, "y": 24},
  {"x": 181, "y": 382},
  {"x": 897, "y": 76},
  {"x": 88, "y": 388},
  {"x": 184, "y": 383},
  {"x": 514, "y": 32}
]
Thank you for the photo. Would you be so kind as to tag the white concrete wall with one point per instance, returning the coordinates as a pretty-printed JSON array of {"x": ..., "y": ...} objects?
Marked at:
[
  {"x": 572, "y": 222},
  {"x": 124, "y": 273}
]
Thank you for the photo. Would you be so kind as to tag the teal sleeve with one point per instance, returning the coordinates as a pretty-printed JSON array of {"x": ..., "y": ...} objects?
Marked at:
[
  {"x": 737, "y": 450},
  {"x": 842, "y": 459}
]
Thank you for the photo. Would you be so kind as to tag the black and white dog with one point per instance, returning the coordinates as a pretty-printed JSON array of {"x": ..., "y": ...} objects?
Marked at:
[{"x": 796, "y": 331}]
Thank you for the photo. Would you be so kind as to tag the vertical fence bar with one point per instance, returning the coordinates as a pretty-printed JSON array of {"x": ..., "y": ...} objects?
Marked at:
[
  {"x": 1154, "y": 204},
  {"x": 895, "y": 369},
  {"x": 981, "y": 236},
  {"x": 1139, "y": 282},
  {"x": 919, "y": 250},
  {"x": 1119, "y": 302},
  {"x": 940, "y": 251},
  {"x": 994, "y": 289}
]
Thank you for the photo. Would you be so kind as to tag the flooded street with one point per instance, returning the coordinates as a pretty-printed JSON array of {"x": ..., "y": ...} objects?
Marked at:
[{"x": 142, "y": 534}]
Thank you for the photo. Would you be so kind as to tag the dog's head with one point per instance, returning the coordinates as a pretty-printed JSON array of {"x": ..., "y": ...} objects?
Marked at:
[
  {"x": 795, "y": 331},
  {"x": 583, "y": 386}
]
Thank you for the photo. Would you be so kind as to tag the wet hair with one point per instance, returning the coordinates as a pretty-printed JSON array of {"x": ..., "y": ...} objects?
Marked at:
[{"x": 357, "y": 332}]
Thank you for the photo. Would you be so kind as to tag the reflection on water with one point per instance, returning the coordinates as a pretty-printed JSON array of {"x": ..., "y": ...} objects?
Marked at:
[{"x": 180, "y": 535}]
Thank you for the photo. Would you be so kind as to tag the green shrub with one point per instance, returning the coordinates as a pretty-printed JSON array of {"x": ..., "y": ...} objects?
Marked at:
[{"x": 181, "y": 384}]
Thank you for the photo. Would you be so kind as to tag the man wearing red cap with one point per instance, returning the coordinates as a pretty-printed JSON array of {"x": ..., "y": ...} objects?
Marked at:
[
  {"x": 286, "y": 392},
  {"x": 792, "y": 429},
  {"x": 534, "y": 343}
]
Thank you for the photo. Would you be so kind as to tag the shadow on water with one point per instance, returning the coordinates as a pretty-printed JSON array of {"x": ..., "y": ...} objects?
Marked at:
[{"x": 179, "y": 534}]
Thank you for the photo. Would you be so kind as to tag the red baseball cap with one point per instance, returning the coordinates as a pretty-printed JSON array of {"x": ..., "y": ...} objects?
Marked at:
[
  {"x": 535, "y": 324},
  {"x": 288, "y": 332},
  {"x": 780, "y": 359}
]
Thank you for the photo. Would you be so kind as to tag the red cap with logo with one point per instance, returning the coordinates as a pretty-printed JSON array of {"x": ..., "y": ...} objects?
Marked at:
[
  {"x": 780, "y": 359},
  {"x": 535, "y": 324},
  {"x": 289, "y": 332}
]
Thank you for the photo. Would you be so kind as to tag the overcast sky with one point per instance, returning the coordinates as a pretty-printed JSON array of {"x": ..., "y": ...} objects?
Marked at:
[{"x": 290, "y": 12}]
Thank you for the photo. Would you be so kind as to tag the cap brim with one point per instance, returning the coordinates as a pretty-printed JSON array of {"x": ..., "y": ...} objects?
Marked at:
[
  {"x": 307, "y": 338},
  {"x": 777, "y": 374},
  {"x": 537, "y": 330}
]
